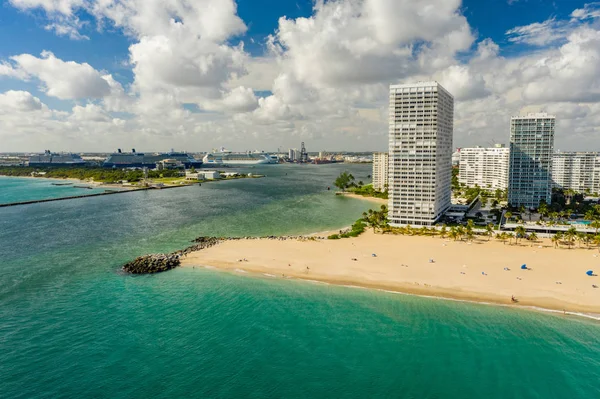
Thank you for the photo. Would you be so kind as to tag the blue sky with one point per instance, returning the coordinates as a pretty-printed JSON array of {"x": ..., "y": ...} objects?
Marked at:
[{"x": 289, "y": 93}]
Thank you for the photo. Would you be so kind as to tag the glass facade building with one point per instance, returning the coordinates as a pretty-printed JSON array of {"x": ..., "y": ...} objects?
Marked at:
[{"x": 530, "y": 169}]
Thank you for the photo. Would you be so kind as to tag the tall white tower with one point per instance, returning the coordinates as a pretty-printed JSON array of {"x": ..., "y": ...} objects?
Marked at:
[{"x": 420, "y": 164}]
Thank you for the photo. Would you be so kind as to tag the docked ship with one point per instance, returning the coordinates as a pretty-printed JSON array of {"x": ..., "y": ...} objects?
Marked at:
[
  {"x": 226, "y": 157},
  {"x": 135, "y": 159},
  {"x": 49, "y": 158}
]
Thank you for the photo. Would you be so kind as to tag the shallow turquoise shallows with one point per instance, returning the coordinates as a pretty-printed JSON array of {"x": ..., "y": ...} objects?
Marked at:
[
  {"x": 19, "y": 189},
  {"x": 73, "y": 326}
]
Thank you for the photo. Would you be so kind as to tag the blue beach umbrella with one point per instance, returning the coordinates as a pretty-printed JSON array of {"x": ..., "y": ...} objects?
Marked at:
[
  {"x": 524, "y": 267},
  {"x": 590, "y": 272}
]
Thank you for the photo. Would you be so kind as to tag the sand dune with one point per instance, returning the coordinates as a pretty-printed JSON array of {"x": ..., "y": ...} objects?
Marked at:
[{"x": 556, "y": 279}]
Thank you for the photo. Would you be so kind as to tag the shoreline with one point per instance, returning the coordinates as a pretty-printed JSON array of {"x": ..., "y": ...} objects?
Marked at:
[
  {"x": 548, "y": 286},
  {"x": 78, "y": 181},
  {"x": 375, "y": 200},
  {"x": 431, "y": 295}
]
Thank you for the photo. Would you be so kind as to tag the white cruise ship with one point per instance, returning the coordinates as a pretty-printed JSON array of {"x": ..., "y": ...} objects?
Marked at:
[{"x": 226, "y": 157}]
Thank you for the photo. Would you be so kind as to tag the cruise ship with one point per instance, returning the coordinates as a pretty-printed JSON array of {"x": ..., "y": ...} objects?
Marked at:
[
  {"x": 135, "y": 159},
  {"x": 226, "y": 157},
  {"x": 49, "y": 158}
]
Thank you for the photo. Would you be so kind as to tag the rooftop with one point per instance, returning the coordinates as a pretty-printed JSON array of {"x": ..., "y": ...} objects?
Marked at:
[
  {"x": 420, "y": 84},
  {"x": 531, "y": 115}
]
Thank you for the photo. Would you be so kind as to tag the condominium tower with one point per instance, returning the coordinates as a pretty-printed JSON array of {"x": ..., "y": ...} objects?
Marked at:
[
  {"x": 420, "y": 153},
  {"x": 484, "y": 167},
  {"x": 380, "y": 171},
  {"x": 530, "y": 167},
  {"x": 578, "y": 171}
]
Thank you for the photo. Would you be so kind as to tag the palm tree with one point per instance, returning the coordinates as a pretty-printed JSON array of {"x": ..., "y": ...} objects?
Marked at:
[
  {"x": 581, "y": 239},
  {"x": 470, "y": 235},
  {"x": 461, "y": 232},
  {"x": 556, "y": 239},
  {"x": 510, "y": 236},
  {"x": 501, "y": 237},
  {"x": 453, "y": 234},
  {"x": 508, "y": 215},
  {"x": 533, "y": 237},
  {"x": 519, "y": 233},
  {"x": 595, "y": 225},
  {"x": 596, "y": 241},
  {"x": 590, "y": 215},
  {"x": 489, "y": 230},
  {"x": 543, "y": 210},
  {"x": 569, "y": 195},
  {"x": 522, "y": 210},
  {"x": 470, "y": 225},
  {"x": 443, "y": 231},
  {"x": 570, "y": 236}
]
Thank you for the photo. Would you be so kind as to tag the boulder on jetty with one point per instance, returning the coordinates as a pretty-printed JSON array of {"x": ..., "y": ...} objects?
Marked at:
[{"x": 155, "y": 263}]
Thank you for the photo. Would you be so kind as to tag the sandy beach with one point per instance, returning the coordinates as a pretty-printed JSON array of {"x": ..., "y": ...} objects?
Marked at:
[
  {"x": 556, "y": 278},
  {"x": 379, "y": 201}
]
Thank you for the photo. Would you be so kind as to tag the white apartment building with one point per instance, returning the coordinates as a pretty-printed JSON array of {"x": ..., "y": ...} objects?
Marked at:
[
  {"x": 380, "y": 171},
  {"x": 578, "y": 171},
  {"x": 530, "y": 166},
  {"x": 420, "y": 153},
  {"x": 484, "y": 167}
]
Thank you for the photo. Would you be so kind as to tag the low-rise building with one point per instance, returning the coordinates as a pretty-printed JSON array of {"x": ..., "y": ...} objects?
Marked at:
[
  {"x": 169, "y": 164},
  {"x": 203, "y": 175},
  {"x": 484, "y": 167}
]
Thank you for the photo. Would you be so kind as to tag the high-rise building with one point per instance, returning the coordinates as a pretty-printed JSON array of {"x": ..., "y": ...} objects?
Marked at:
[
  {"x": 530, "y": 167},
  {"x": 380, "y": 171},
  {"x": 484, "y": 167},
  {"x": 420, "y": 153},
  {"x": 293, "y": 154},
  {"x": 578, "y": 171}
]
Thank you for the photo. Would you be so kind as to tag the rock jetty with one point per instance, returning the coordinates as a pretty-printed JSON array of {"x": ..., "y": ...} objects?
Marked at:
[{"x": 154, "y": 263}]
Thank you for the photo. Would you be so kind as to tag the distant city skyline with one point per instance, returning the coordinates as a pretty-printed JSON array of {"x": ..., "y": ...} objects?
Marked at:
[{"x": 256, "y": 74}]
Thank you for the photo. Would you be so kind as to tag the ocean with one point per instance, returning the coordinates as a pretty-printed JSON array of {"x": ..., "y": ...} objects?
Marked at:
[
  {"x": 72, "y": 325},
  {"x": 19, "y": 189}
]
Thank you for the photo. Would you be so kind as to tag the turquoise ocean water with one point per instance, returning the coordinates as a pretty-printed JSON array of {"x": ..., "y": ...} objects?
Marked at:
[
  {"x": 71, "y": 325},
  {"x": 18, "y": 189}
]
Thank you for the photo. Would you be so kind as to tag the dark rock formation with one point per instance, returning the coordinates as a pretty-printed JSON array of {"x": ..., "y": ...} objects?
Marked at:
[{"x": 155, "y": 263}]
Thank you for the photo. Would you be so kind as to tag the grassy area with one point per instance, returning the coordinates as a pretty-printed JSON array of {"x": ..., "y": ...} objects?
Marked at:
[
  {"x": 171, "y": 180},
  {"x": 357, "y": 229},
  {"x": 368, "y": 191},
  {"x": 96, "y": 174}
]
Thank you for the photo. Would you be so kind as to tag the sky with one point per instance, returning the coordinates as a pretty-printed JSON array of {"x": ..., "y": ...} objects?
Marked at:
[{"x": 97, "y": 75}]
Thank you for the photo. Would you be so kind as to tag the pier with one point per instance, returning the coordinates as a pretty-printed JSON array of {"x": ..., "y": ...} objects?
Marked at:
[{"x": 108, "y": 192}]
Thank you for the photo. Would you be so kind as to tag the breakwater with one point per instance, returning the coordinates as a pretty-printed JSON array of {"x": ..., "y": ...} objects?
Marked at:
[{"x": 107, "y": 192}]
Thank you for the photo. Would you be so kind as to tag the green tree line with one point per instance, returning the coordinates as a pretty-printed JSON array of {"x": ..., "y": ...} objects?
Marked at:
[{"x": 97, "y": 174}]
